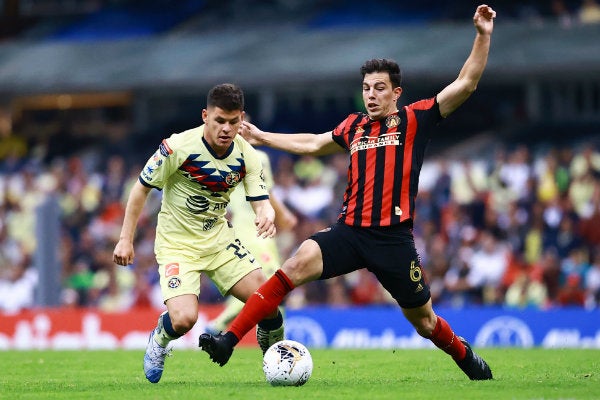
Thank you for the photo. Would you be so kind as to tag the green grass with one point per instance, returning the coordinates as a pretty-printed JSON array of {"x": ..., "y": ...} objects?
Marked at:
[{"x": 338, "y": 374}]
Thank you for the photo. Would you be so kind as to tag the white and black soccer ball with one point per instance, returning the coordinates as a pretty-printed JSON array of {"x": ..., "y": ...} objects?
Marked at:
[{"x": 287, "y": 363}]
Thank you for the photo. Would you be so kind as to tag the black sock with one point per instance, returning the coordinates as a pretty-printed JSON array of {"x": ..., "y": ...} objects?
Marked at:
[
  {"x": 273, "y": 323},
  {"x": 231, "y": 338}
]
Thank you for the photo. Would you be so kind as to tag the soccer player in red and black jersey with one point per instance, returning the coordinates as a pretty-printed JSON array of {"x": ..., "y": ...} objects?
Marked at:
[{"x": 374, "y": 229}]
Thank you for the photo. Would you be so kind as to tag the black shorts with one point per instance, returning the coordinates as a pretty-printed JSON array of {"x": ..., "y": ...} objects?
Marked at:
[{"x": 388, "y": 252}]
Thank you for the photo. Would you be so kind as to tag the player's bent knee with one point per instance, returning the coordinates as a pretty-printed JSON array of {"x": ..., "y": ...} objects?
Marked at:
[
  {"x": 299, "y": 272},
  {"x": 306, "y": 265},
  {"x": 183, "y": 321}
]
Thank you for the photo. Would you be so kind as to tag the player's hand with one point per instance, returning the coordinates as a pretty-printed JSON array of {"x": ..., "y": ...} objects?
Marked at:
[
  {"x": 484, "y": 19},
  {"x": 265, "y": 221},
  {"x": 123, "y": 253},
  {"x": 265, "y": 228},
  {"x": 251, "y": 133}
]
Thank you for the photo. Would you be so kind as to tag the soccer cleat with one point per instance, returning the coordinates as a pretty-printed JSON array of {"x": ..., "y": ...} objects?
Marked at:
[
  {"x": 473, "y": 365},
  {"x": 267, "y": 338},
  {"x": 217, "y": 346},
  {"x": 154, "y": 359}
]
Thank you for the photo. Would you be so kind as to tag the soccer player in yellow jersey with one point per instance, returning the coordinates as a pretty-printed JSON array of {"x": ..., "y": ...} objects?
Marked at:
[
  {"x": 264, "y": 249},
  {"x": 197, "y": 170}
]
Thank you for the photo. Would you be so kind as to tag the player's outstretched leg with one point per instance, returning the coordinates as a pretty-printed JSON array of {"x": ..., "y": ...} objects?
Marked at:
[
  {"x": 473, "y": 365},
  {"x": 219, "y": 347},
  {"x": 154, "y": 359}
]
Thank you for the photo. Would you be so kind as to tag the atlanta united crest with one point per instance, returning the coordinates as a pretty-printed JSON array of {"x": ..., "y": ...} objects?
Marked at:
[{"x": 392, "y": 121}]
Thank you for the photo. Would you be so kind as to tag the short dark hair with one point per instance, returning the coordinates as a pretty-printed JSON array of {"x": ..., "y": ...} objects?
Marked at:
[
  {"x": 227, "y": 96},
  {"x": 383, "y": 65}
]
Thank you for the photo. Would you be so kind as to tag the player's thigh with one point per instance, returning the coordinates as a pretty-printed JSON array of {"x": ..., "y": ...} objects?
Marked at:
[
  {"x": 228, "y": 267},
  {"x": 178, "y": 276},
  {"x": 398, "y": 269},
  {"x": 340, "y": 251}
]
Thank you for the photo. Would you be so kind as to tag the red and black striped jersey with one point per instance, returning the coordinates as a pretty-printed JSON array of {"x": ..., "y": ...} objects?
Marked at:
[{"x": 386, "y": 157}]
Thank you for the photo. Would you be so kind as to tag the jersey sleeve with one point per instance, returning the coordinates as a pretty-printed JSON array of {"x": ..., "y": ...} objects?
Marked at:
[
  {"x": 340, "y": 133},
  {"x": 162, "y": 164},
  {"x": 267, "y": 171},
  {"x": 254, "y": 180},
  {"x": 427, "y": 113}
]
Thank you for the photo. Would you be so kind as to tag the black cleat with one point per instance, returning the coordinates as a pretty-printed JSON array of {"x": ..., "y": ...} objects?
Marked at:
[
  {"x": 473, "y": 365},
  {"x": 217, "y": 346}
]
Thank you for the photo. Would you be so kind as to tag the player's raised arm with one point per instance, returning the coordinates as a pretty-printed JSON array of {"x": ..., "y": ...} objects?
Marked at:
[
  {"x": 296, "y": 143},
  {"x": 453, "y": 95}
]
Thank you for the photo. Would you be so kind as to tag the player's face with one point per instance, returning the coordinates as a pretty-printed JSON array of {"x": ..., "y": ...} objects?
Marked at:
[
  {"x": 220, "y": 127},
  {"x": 378, "y": 95}
]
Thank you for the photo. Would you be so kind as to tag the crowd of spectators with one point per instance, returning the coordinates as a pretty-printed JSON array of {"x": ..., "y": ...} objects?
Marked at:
[
  {"x": 519, "y": 229},
  {"x": 105, "y": 19}
]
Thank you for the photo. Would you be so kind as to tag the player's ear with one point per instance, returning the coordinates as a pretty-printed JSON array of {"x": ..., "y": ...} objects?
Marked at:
[
  {"x": 204, "y": 115},
  {"x": 397, "y": 92}
]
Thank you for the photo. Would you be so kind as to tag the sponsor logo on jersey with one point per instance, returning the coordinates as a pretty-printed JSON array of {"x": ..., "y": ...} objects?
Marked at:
[
  {"x": 164, "y": 149},
  {"x": 171, "y": 269},
  {"x": 149, "y": 170},
  {"x": 209, "y": 223},
  {"x": 197, "y": 204},
  {"x": 365, "y": 143}
]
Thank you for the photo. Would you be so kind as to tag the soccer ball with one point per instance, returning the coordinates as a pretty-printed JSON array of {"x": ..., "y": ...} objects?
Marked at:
[{"x": 287, "y": 363}]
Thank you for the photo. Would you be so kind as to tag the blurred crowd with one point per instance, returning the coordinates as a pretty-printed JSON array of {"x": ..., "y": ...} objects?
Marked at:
[{"x": 516, "y": 229}]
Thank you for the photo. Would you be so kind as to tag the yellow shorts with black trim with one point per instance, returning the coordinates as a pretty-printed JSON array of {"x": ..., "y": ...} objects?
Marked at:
[{"x": 180, "y": 274}]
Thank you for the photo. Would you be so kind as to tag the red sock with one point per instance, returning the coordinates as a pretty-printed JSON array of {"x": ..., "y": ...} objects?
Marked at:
[
  {"x": 444, "y": 338},
  {"x": 261, "y": 303}
]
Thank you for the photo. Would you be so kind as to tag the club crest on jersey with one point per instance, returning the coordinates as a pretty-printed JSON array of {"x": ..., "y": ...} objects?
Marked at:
[
  {"x": 392, "y": 121},
  {"x": 174, "y": 282},
  {"x": 233, "y": 178},
  {"x": 360, "y": 130}
]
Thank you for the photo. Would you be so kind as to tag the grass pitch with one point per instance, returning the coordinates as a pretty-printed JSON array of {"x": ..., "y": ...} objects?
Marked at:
[{"x": 338, "y": 374}]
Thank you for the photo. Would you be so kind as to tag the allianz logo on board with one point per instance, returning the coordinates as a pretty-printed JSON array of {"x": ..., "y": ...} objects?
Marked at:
[{"x": 504, "y": 331}]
